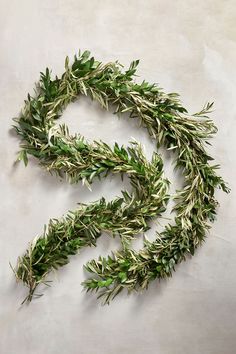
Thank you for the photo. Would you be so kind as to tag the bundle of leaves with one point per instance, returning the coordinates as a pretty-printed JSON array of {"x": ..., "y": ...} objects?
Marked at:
[{"x": 74, "y": 158}]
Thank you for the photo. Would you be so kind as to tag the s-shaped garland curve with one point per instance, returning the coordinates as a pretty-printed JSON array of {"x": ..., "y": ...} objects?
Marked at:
[{"x": 166, "y": 121}]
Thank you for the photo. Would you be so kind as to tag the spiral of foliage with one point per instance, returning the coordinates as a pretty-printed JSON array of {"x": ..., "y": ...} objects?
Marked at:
[{"x": 60, "y": 153}]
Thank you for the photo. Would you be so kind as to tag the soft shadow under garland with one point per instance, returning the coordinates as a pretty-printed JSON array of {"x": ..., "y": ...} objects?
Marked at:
[{"x": 72, "y": 157}]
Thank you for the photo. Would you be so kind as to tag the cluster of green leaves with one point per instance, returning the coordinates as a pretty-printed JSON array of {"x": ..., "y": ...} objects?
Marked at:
[{"x": 166, "y": 121}]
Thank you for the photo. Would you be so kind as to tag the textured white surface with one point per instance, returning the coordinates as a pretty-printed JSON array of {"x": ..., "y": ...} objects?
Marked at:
[{"x": 186, "y": 46}]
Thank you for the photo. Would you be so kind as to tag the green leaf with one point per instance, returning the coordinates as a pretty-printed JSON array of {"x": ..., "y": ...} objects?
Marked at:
[
  {"x": 23, "y": 157},
  {"x": 122, "y": 276}
]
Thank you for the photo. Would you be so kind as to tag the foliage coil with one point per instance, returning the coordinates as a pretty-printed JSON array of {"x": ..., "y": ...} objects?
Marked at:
[{"x": 60, "y": 153}]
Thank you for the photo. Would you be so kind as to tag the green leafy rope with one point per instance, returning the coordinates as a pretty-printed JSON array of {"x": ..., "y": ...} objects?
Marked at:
[{"x": 166, "y": 121}]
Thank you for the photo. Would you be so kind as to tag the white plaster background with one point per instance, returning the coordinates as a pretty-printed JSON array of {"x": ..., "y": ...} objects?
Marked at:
[{"x": 186, "y": 46}]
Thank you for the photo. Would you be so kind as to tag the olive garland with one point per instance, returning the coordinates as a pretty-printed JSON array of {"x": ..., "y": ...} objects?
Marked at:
[{"x": 60, "y": 153}]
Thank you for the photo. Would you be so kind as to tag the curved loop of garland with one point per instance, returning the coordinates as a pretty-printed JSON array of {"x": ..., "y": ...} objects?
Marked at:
[{"x": 166, "y": 121}]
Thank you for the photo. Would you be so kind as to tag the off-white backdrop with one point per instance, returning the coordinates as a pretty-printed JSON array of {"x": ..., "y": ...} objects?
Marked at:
[{"x": 186, "y": 46}]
